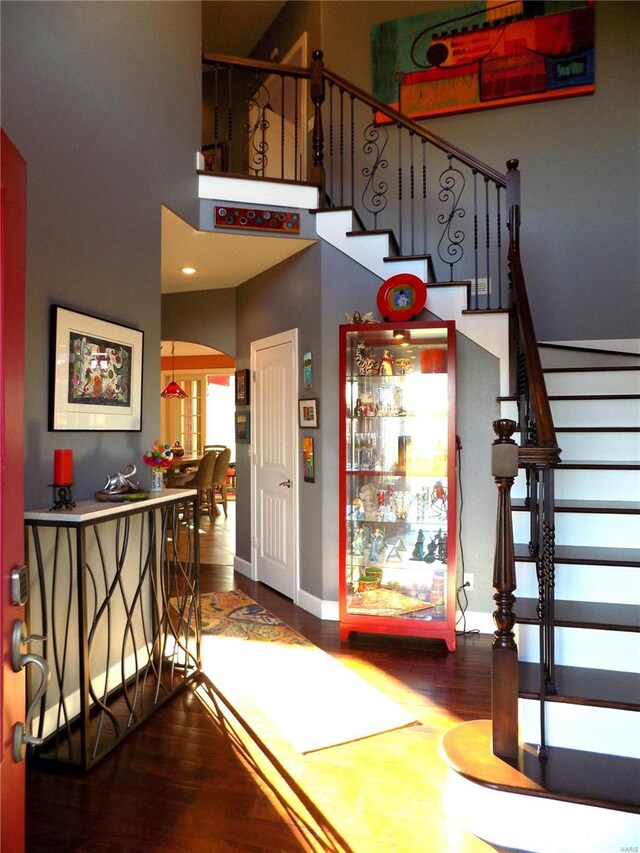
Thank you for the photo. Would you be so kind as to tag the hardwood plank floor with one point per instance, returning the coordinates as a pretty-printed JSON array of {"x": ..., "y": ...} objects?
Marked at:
[{"x": 193, "y": 778}]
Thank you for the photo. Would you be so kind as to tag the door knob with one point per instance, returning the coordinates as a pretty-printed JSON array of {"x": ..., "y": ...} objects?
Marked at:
[{"x": 286, "y": 483}]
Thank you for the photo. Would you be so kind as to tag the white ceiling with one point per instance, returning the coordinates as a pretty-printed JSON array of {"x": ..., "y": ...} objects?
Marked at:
[{"x": 221, "y": 260}]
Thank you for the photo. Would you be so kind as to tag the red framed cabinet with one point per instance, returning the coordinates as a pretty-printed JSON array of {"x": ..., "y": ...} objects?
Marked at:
[{"x": 398, "y": 480}]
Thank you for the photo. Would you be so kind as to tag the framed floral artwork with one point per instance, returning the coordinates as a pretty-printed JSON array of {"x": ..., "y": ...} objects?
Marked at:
[{"x": 95, "y": 373}]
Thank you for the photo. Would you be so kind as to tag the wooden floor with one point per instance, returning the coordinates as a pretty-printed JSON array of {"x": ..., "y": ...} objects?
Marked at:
[{"x": 192, "y": 778}]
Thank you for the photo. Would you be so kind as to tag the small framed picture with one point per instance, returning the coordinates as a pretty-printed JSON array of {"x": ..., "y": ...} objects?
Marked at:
[
  {"x": 307, "y": 460},
  {"x": 242, "y": 387},
  {"x": 307, "y": 371},
  {"x": 243, "y": 426},
  {"x": 308, "y": 413}
]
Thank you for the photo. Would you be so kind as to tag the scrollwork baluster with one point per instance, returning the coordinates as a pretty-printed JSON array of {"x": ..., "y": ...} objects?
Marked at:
[
  {"x": 374, "y": 198},
  {"x": 450, "y": 244}
]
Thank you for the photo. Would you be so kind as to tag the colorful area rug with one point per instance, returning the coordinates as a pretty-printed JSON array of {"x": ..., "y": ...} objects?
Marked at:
[
  {"x": 272, "y": 675},
  {"x": 385, "y": 602}
]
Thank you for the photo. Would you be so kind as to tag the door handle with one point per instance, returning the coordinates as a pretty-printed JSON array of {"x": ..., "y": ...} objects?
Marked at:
[
  {"x": 21, "y": 660},
  {"x": 286, "y": 483}
]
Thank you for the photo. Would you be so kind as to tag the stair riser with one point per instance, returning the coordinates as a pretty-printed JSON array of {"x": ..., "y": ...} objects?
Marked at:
[
  {"x": 573, "y": 483},
  {"x": 592, "y": 382},
  {"x": 613, "y": 446},
  {"x": 595, "y": 413},
  {"x": 594, "y": 529},
  {"x": 607, "y": 730},
  {"x": 584, "y": 647},
  {"x": 607, "y": 584},
  {"x": 584, "y": 358}
]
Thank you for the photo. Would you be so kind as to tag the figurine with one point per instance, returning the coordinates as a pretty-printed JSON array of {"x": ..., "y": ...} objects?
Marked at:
[
  {"x": 418, "y": 551},
  {"x": 356, "y": 318},
  {"x": 376, "y": 541},
  {"x": 121, "y": 483},
  {"x": 369, "y": 500},
  {"x": 365, "y": 360},
  {"x": 385, "y": 368}
]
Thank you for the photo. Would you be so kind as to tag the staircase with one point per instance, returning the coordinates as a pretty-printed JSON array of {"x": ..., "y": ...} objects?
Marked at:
[
  {"x": 589, "y": 784},
  {"x": 595, "y": 399}
]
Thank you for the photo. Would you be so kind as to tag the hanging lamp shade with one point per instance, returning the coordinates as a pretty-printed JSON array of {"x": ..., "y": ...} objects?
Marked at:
[{"x": 173, "y": 390}]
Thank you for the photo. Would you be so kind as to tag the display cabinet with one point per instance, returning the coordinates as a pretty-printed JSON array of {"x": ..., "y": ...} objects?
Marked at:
[{"x": 398, "y": 480}]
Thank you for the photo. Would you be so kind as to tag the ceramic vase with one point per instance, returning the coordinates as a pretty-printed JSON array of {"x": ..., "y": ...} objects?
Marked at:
[{"x": 157, "y": 480}]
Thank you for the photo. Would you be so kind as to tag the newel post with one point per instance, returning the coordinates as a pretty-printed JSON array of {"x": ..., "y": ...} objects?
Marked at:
[
  {"x": 513, "y": 188},
  {"x": 317, "y": 97},
  {"x": 504, "y": 678}
]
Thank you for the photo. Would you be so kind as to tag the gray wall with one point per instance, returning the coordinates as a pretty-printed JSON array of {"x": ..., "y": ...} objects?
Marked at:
[
  {"x": 103, "y": 101},
  {"x": 206, "y": 317},
  {"x": 579, "y": 158}
]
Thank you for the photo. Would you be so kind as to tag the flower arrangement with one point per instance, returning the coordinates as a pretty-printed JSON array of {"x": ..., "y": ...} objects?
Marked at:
[{"x": 159, "y": 457}]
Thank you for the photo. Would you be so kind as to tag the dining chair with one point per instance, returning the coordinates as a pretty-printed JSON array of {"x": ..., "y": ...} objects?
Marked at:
[
  {"x": 202, "y": 480},
  {"x": 220, "y": 472}
]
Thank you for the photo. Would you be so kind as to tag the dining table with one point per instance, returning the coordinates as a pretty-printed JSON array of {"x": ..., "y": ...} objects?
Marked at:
[{"x": 179, "y": 464}]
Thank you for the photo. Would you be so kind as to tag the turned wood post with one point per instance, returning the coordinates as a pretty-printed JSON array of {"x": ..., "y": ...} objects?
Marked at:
[
  {"x": 317, "y": 97},
  {"x": 504, "y": 677}
]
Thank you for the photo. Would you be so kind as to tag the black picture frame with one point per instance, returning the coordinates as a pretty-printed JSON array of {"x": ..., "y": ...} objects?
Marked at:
[
  {"x": 95, "y": 373},
  {"x": 242, "y": 388}
]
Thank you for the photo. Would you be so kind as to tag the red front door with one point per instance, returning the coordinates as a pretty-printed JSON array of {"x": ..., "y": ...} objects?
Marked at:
[{"x": 12, "y": 685}]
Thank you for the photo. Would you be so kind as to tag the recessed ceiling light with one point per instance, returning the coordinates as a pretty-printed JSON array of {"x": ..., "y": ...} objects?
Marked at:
[{"x": 188, "y": 270}]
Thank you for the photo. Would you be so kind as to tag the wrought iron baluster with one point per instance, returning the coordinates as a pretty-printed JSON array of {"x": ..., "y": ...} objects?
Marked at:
[
  {"x": 450, "y": 244},
  {"x": 341, "y": 147},
  {"x": 229, "y": 112},
  {"x": 353, "y": 146},
  {"x": 487, "y": 238},
  {"x": 282, "y": 120},
  {"x": 499, "y": 242},
  {"x": 256, "y": 125},
  {"x": 331, "y": 160},
  {"x": 399, "y": 127},
  {"x": 216, "y": 111},
  {"x": 374, "y": 198},
  {"x": 425, "y": 246},
  {"x": 475, "y": 239},
  {"x": 412, "y": 191},
  {"x": 296, "y": 120}
]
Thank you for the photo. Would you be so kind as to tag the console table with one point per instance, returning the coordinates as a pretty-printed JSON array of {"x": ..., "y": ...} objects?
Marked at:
[{"x": 115, "y": 592}]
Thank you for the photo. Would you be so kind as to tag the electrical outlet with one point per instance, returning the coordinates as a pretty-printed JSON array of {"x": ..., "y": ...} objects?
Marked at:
[{"x": 468, "y": 582}]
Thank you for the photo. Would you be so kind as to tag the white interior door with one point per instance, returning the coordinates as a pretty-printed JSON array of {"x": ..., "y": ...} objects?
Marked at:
[{"x": 275, "y": 492}]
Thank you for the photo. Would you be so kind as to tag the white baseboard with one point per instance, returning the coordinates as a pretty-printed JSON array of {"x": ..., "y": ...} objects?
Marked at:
[
  {"x": 326, "y": 610},
  {"x": 243, "y": 567}
]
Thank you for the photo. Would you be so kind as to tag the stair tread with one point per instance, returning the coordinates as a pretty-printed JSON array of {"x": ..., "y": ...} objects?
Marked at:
[
  {"x": 601, "y": 687},
  {"x": 583, "y": 614},
  {"x": 586, "y": 555},
  {"x": 600, "y": 464},
  {"x": 567, "y": 775},
  {"x": 585, "y": 397},
  {"x": 598, "y": 429},
  {"x": 592, "y": 369},
  {"x": 619, "y": 507},
  {"x": 588, "y": 777}
]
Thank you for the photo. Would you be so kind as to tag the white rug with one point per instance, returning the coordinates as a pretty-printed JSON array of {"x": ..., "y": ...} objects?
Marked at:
[{"x": 312, "y": 700}]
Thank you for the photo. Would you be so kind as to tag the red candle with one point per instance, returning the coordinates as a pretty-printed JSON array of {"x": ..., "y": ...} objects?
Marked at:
[{"x": 62, "y": 467}]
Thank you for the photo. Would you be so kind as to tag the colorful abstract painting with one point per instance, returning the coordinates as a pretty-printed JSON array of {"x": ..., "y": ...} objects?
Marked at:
[
  {"x": 257, "y": 220},
  {"x": 99, "y": 372},
  {"x": 482, "y": 55}
]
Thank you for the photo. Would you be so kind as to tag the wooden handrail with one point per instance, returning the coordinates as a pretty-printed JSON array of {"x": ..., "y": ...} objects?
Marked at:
[{"x": 537, "y": 389}]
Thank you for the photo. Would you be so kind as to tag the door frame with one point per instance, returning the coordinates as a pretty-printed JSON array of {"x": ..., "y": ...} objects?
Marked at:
[
  {"x": 290, "y": 336},
  {"x": 13, "y": 203}
]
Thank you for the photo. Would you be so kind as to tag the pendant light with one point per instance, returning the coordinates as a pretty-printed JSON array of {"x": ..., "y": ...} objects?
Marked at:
[{"x": 173, "y": 390}]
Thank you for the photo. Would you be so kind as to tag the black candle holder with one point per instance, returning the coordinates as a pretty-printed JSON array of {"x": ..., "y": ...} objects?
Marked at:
[{"x": 61, "y": 497}]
